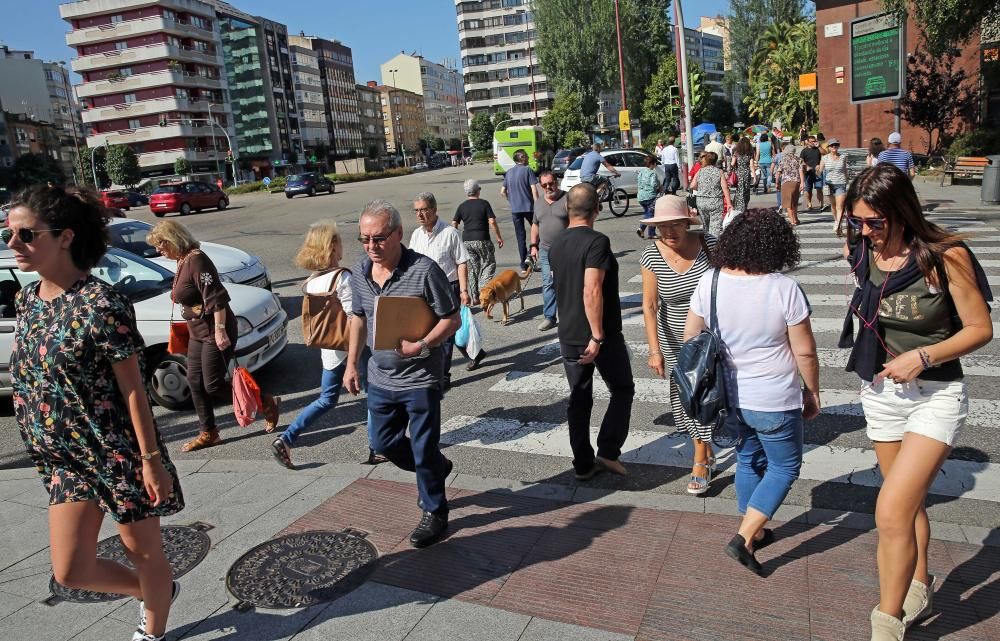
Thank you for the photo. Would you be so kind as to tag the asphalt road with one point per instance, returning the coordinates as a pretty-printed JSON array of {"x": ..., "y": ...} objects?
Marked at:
[{"x": 503, "y": 416}]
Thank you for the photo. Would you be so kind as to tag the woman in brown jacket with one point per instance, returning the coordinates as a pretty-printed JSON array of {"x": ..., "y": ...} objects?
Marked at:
[{"x": 211, "y": 324}]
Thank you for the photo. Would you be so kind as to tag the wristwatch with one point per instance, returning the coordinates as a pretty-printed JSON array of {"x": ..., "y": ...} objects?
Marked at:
[
  {"x": 425, "y": 349},
  {"x": 150, "y": 455},
  {"x": 599, "y": 341}
]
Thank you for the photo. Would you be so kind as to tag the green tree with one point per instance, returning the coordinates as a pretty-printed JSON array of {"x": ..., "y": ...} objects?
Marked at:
[
  {"x": 656, "y": 107},
  {"x": 84, "y": 172},
  {"x": 774, "y": 81},
  {"x": 576, "y": 139},
  {"x": 182, "y": 167},
  {"x": 720, "y": 112},
  {"x": 565, "y": 116},
  {"x": 501, "y": 119},
  {"x": 947, "y": 23},
  {"x": 938, "y": 92},
  {"x": 36, "y": 169},
  {"x": 481, "y": 132},
  {"x": 577, "y": 47},
  {"x": 454, "y": 144},
  {"x": 438, "y": 143},
  {"x": 122, "y": 165},
  {"x": 373, "y": 152},
  {"x": 747, "y": 20}
]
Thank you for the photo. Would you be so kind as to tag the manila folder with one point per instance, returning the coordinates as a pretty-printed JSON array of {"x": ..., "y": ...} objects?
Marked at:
[{"x": 399, "y": 317}]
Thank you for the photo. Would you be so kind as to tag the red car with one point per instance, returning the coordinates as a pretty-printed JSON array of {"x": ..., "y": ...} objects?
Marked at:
[
  {"x": 186, "y": 197},
  {"x": 115, "y": 199}
]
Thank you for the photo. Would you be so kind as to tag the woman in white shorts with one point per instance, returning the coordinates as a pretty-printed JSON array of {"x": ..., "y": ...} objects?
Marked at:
[{"x": 920, "y": 305}]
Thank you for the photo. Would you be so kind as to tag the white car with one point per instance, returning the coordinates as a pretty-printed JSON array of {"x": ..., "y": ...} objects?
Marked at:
[
  {"x": 628, "y": 162},
  {"x": 261, "y": 322},
  {"x": 234, "y": 265}
]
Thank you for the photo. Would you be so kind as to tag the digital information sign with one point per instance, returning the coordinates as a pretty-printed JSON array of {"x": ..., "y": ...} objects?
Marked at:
[{"x": 878, "y": 71}]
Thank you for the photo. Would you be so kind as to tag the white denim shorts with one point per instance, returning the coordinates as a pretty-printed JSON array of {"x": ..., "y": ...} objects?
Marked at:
[{"x": 933, "y": 409}]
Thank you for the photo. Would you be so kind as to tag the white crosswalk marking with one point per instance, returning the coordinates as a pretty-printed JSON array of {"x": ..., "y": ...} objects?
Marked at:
[{"x": 820, "y": 462}]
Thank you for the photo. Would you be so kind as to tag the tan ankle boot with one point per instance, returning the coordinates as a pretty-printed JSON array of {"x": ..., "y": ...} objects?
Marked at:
[
  {"x": 919, "y": 603},
  {"x": 886, "y": 627}
]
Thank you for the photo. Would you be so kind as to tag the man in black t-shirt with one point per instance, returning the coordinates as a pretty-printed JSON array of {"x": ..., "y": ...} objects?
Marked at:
[
  {"x": 811, "y": 156},
  {"x": 590, "y": 335}
]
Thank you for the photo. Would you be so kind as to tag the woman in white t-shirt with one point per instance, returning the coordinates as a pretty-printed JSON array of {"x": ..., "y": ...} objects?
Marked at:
[
  {"x": 763, "y": 319},
  {"x": 321, "y": 253}
]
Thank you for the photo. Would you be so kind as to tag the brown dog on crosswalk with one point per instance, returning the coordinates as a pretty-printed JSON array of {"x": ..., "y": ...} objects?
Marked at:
[{"x": 501, "y": 289}]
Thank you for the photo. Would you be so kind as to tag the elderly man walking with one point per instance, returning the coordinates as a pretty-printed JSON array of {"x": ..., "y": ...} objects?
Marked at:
[
  {"x": 404, "y": 385},
  {"x": 519, "y": 189},
  {"x": 551, "y": 219},
  {"x": 443, "y": 244},
  {"x": 590, "y": 335},
  {"x": 476, "y": 217}
]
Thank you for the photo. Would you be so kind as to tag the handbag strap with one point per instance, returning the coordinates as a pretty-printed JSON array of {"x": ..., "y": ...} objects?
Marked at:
[
  {"x": 714, "y": 318},
  {"x": 333, "y": 282}
]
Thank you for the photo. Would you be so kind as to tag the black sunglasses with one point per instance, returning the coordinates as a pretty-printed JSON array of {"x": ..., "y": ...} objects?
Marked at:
[
  {"x": 874, "y": 224},
  {"x": 24, "y": 235}
]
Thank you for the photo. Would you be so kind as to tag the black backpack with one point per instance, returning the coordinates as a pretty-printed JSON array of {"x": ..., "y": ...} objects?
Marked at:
[{"x": 700, "y": 377}]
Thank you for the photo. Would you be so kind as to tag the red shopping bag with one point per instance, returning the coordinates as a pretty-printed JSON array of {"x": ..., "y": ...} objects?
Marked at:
[{"x": 246, "y": 397}]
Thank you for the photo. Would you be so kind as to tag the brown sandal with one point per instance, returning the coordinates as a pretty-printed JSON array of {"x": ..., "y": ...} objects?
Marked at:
[
  {"x": 272, "y": 412},
  {"x": 203, "y": 440}
]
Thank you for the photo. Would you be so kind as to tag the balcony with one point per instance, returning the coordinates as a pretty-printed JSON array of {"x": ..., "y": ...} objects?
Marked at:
[
  {"x": 146, "y": 107},
  {"x": 136, "y": 55},
  {"x": 133, "y": 28},
  {"x": 71, "y": 10},
  {"x": 129, "y": 136},
  {"x": 146, "y": 81},
  {"x": 161, "y": 158}
]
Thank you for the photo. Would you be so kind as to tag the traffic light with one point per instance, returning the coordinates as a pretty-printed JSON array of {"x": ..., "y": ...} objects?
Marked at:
[
  {"x": 675, "y": 101},
  {"x": 695, "y": 78}
]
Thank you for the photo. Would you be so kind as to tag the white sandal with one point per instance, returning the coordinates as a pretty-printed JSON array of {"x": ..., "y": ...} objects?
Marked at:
[{"x": 701, "y": 483}]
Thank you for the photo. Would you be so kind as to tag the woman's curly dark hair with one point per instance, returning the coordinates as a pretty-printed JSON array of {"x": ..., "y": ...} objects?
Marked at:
[
  {"x": 759, "y": 241},
  {"x": 70, "y": 208}
]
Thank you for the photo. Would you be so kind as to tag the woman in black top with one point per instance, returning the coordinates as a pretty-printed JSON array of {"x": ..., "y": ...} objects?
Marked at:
[
  {"x": 477, "y": 217},
  {"x": 212, "y": 327}
]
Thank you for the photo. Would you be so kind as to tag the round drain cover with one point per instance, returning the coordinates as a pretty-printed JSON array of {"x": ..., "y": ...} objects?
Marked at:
[
  {"x": 301, "y": 569},
  {"x": 186, "y": 546}
]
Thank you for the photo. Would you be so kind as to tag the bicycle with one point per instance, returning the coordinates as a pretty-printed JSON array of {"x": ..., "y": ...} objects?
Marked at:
[{"x": 616, "y": 197}]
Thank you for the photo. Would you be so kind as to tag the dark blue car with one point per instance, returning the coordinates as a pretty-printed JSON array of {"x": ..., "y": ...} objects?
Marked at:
[{"x": 307, "y": 184}]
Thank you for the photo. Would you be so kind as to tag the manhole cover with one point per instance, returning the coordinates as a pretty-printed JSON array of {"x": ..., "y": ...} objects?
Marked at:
[
  {"x": 301, "y": 569},
  {"x": 185, "y": 545}
]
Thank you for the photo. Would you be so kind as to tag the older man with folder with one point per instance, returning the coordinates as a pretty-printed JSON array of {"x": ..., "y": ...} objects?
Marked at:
[{"x": 405, "y": 383}]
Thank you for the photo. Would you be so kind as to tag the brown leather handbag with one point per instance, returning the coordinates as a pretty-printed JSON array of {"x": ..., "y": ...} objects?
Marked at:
[{"x": 324, "y": 319}]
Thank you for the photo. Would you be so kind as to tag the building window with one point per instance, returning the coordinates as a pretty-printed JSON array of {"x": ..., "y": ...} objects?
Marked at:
[
  {"x": 134, "y": 123},
  {"x": 121, "y": 45},
  {"x": 115, "y": 19},
  {"x": 129, "y": 98}
]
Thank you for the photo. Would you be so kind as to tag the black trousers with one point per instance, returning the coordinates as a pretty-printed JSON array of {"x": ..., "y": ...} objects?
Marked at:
[
  {"x": 206, "y": 374},
  {"x": 671, "y": 179},
  {"x": 449, "y": 345},
  {"x": 614, "y": 366}
]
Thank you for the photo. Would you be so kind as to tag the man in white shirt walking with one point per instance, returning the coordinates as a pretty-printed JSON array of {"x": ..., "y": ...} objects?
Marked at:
[
  {"x": 716, "y": 148},
  {"x": 443, "y": 244},
  {"x": 672, "y": 175}
]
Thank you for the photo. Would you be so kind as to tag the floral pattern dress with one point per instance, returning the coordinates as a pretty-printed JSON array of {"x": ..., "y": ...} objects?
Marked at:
[{"x": 74, "y": 421}]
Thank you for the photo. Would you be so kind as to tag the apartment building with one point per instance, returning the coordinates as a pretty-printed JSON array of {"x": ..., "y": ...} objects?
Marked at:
[
  {"x": 371, "y": 119},
  {"x": 441, "y": 87},
  {"x": 308, "y": 84},
  {"x": 402, "y": 121},
  {"x": 708, "y": 51},
  {"x": 340, "y": 96},
  {"x": 496, "y": 38},
  {"x": 145, "y": 61}
]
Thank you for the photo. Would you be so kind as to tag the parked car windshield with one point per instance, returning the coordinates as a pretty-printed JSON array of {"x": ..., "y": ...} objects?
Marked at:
[
  {"x": 576, "y": 164},
  {"x": 131, "y": 237},
  {"x": 168, "y": 189},
  {"x": 135, "y": 277}
]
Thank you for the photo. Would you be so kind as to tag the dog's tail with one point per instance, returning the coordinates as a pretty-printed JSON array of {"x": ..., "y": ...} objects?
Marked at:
[{"x": 526, "y": 274}]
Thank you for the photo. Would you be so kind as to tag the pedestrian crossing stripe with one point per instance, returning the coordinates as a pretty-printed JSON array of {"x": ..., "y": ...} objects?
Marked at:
[
  {"x": 839, "y": 242},
  {"x": 836, "y": 402},
  {"x": 835, "y": 251},
  {"x": 842, "y": 278},
  {"x": 825, "y": 463},
  {"x": 972, "y": 365},
  {"x": 827, "y": 230},
  {"x": 839, "y": 260},
  {"x": 820, "y": 325}
]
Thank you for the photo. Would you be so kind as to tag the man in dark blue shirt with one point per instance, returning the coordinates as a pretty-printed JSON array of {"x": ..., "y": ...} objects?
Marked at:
[{"x": 519, "y": 189}]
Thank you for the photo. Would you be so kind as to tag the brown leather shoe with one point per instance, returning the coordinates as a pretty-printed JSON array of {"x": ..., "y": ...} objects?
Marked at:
[
  {"x": 615, "y": 467},
  {"x": 203, "y": 440},
  {"x": 272, "y": 411}
]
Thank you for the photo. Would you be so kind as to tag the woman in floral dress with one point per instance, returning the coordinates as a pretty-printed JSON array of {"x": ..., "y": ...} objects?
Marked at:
[
  {"x": 82, "y": 407},
  {"x": 741, "y": 164}
]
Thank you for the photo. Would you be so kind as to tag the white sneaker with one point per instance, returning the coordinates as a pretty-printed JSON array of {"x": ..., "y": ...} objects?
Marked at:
[{"x": 140, "y": 632}]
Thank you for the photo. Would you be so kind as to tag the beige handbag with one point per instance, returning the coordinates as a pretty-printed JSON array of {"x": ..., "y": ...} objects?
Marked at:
[{"x": 324, "y": 319}]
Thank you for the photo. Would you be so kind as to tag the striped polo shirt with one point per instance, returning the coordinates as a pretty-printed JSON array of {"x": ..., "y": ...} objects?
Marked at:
[
  {"x": 415, "y": 275},
  {"x": 899, "y": 157}
]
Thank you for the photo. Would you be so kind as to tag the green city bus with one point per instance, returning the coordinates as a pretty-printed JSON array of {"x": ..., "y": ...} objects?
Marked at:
[{"x": 531, "y": 140}]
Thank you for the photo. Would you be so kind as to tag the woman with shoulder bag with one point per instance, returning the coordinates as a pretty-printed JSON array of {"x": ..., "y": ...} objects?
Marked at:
[
  {"x": 321, "y": 253},
  {"x": 763, "y": 322},
  {"x": 713, "y": 193},
  {"x": 922, "y": 304},
  {"x": 211, "y": 326},
  {"x": 671, "y": 269}
]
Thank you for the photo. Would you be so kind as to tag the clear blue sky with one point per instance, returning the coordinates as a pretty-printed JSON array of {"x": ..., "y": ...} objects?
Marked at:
[{"x": 376, "y": 30}]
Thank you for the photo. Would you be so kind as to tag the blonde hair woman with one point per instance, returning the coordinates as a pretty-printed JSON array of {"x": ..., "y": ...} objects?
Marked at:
[
  {"x": 211, "y": 325},
  {"x": 321, "y": 253}
]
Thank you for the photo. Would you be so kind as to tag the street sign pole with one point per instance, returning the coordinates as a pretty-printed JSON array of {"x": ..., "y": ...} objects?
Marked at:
[{"x": 686, "y": 84}]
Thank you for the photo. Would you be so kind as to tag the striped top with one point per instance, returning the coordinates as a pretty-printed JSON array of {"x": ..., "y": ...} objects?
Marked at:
[
  {"x": 836, "y": 170},
  {"x": 899, "y": 157}
]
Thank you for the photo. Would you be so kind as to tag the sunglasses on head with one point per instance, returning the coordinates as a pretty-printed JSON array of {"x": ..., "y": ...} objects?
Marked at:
[
  {"x": 24, "y": 235},
  {"x": 874, "y": 224}
]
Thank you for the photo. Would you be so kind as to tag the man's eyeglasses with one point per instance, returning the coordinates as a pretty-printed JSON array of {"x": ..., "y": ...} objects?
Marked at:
[
  {"x": 423, "y": 210},
  {"x": 548, "y": 184},
  {"x": 874, "y": 224},
  {"x": 25, "y": 235},
  {"x": 374, "y": 240}
]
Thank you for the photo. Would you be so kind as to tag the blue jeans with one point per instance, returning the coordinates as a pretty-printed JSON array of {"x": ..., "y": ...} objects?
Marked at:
[
  {"x": 548, "y": 286},
  {"x": 520, "y": 218},
  {"x": 389, "y": 414},
  {"x": 768, "y": 457},
  {"x": 647, "y": 212},
  {"x": 765, "y": 176},
  {"x": 329, "y": 394}
]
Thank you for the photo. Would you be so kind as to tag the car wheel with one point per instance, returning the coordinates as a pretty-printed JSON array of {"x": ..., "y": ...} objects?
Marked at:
[
  {"x": 168, "y": 384},
  {"x": 618, "y": 203},
  {"x": 159, "y": 214},
  {"x": 185, "y": 209},
  {"x": 311, "y": 192},
  {"x": 333, "y": 188},
  {"x": 288, "y": 196},
  {"x": 222, "y": 204}
]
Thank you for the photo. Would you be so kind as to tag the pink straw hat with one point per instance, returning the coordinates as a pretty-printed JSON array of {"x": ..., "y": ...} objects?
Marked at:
[{"x": 668, "y": 209}]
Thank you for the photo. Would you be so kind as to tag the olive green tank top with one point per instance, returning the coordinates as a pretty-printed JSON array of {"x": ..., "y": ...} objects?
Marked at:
[{"x": 916, "y": 317}]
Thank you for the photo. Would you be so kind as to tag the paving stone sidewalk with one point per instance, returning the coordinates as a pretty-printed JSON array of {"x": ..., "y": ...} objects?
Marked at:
[{"x": 522, "y": 562}]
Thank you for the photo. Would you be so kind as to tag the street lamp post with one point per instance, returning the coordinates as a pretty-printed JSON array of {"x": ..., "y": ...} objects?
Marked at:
[
  {"x": 164, "y": 122},
  {"x": 72, "y": 118},
  {"x": 215, "y": 144}
]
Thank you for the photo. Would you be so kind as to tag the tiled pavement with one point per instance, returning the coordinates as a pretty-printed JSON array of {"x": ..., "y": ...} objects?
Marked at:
[{"x": 523, "y": 562}]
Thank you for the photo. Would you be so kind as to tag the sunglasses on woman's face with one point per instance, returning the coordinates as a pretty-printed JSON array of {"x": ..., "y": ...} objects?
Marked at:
[
  {"x": 24, "y": 235},
  {"x": 874, "y": 224}
]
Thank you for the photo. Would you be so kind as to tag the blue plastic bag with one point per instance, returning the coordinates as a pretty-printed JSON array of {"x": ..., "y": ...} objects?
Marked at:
[{"x": 462, "y": 335}]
